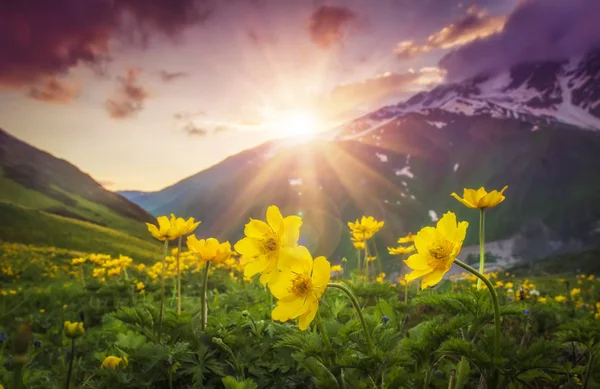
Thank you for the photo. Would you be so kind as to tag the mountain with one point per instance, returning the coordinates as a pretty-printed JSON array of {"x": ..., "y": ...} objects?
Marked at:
[
  {"x": 564, "y": 91},
  {"x": 34, "y": 179},
  {"x": 528, "y": 128}
]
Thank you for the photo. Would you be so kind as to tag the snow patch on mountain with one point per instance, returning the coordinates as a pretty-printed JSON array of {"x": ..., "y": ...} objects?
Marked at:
[
  {"x": 562, "y": 91},
  {"x": 405, "y": 171}
]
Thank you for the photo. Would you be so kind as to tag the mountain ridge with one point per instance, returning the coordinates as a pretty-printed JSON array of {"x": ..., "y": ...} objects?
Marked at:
[{"x": 36, "y": 179}]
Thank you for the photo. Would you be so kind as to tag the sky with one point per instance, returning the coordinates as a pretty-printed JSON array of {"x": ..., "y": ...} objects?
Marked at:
[{"x": 142, "y": 93}]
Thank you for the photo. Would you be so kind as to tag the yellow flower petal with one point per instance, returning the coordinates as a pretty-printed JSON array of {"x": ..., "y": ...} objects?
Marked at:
[
  {"x": 248, "y": 247},
  {"x": 308, "y": 317},
  {"x": 424, "y": 237},
  {"x": 281, "y": 284},
  {"x": 256, "y": 266},
  {"x": 291, "y": 230},
  {"x": 416, "y": 274},
  {"x": 287, "y": 309},
  {"x": 257, "y": 229},
  {"x": 321, "y": 274},
  {"x": 297, "y": 259},
  {"x": 417, "y": 262},
  {"x": 447, "y": 226},
  {"x": 274, "y": 218},
  {"x": 432, "y": 278}
]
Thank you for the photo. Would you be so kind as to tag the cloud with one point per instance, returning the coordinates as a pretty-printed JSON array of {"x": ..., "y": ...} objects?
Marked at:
[
  {"x": 192, "y": 130},
  {"x": 166, "y": 76},
  {"x": 536, "y": 30},
  {"x": 40, "y": 38},
  {"x": 386, "y": 88},
  {"x": 327, "y": 23},
  {"x": 476, "y": 24},
  {"x": 54, "y": 91},
  {"x": 129, "y": 98},
  {"x": 187, "y": 115}
]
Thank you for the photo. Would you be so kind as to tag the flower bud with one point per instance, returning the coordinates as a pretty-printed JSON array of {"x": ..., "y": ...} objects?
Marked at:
[{"x": 74, "y": 329}]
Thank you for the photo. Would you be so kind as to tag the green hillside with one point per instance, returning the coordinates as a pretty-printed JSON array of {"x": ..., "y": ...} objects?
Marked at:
[{"x": 39, "y": 228}]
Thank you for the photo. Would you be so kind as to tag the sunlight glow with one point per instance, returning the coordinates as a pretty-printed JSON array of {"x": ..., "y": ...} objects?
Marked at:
[{"x": 298, "y": 123}]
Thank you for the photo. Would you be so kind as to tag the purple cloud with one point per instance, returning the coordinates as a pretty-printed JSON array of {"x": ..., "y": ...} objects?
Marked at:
[
  {"x": 40, "y": 38},
  {"x": 327, "y": 23},
  {"x": 536, "y": 30}
]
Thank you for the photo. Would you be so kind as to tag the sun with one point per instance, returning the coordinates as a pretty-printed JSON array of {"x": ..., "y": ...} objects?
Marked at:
[{"x": 296, "y": 124}]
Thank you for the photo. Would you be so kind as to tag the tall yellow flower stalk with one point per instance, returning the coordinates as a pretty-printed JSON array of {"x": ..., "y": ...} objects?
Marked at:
[
  {"x": 181, "y": 227},
  {"x": 437, "y": 249},
  {"x": 481, "y": 199},
  {"x": 165, "y": 231},
  {"x": 208, "y": 251},
  {"x": 362, "y": 230},
  {"x": 403, "y": 250}
]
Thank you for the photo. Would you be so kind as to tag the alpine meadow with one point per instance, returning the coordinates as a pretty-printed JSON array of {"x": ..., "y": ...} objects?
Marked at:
[{"x": 265, "y": 194}]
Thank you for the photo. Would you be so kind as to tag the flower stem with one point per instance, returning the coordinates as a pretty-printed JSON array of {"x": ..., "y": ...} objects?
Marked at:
[
  {"x": 356, "y": 306},
  {"x": 588, "y": 373},
  {"x": 162, "y": 290},
  {"x": 71, "y": 363},
  {"x": 494, "y": 302},
  {"x": 358, "y": 266},
  {"x": 377, "y": 256},
  {"x": 178, "y": 277},
  {"x": 17, "y": 373},
  {"x": 203, "y": 297},
  {"x": 481, "y": 245},
  {"x": 81, "y": 274}
]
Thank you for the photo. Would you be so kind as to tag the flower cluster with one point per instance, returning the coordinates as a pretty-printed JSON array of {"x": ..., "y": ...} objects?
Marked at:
[{"x": 293, "y": 277}]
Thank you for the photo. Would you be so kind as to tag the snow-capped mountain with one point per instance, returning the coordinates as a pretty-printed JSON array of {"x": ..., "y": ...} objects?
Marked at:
[{"x": 565, "y": 91}]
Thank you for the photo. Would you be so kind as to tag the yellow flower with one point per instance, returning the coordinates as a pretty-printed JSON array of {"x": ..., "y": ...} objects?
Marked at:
[
  {"x": 114, "y": 271},
  {"x": 77, "y": 261},
  {"x": 365, "y": 228},
  {"x": 371, "y": 259},
  {"x": 299, "y": 286},
  {"x": 380, "y": 278},
  {"x": 112, "y": 362},
  {"x": 480, "y": 198},
  {"x": 591, "y": 277},
  {"x": 65, "y": 306},
  {"x": 209, "y": 250},
  {"x": 164, "y": 229},
  {"x": 181, "y": 227},
  {"x": 542, "y": 300},
  {"x": 140, "y": 287},
  {"x": 141, "y": 267},
  {"x": 42, "y": 310},
  {"x": 73, "y": 329},
  {"x": 407, "y": 239},
  {"x": 358, "y": 244},
  {"x": 401, "y": 250},
  {"x": 560, "y": 299},
  {"x": 575, "y": 291},
  {"x": 508, "y": 285},
  {"x": 436, "y": 249},
  {"x": 336, "y": 268},
  {"x": 99, "y": 271},
  {"x": 499, "y": 284},
  {"x": 267, "y": 243}
]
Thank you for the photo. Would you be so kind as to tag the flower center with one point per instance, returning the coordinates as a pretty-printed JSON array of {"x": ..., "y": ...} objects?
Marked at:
[
  {"x": 301, "y": 286},
  {"x": 270, "y": 245},
  {"x": 439, "y": 252}
]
